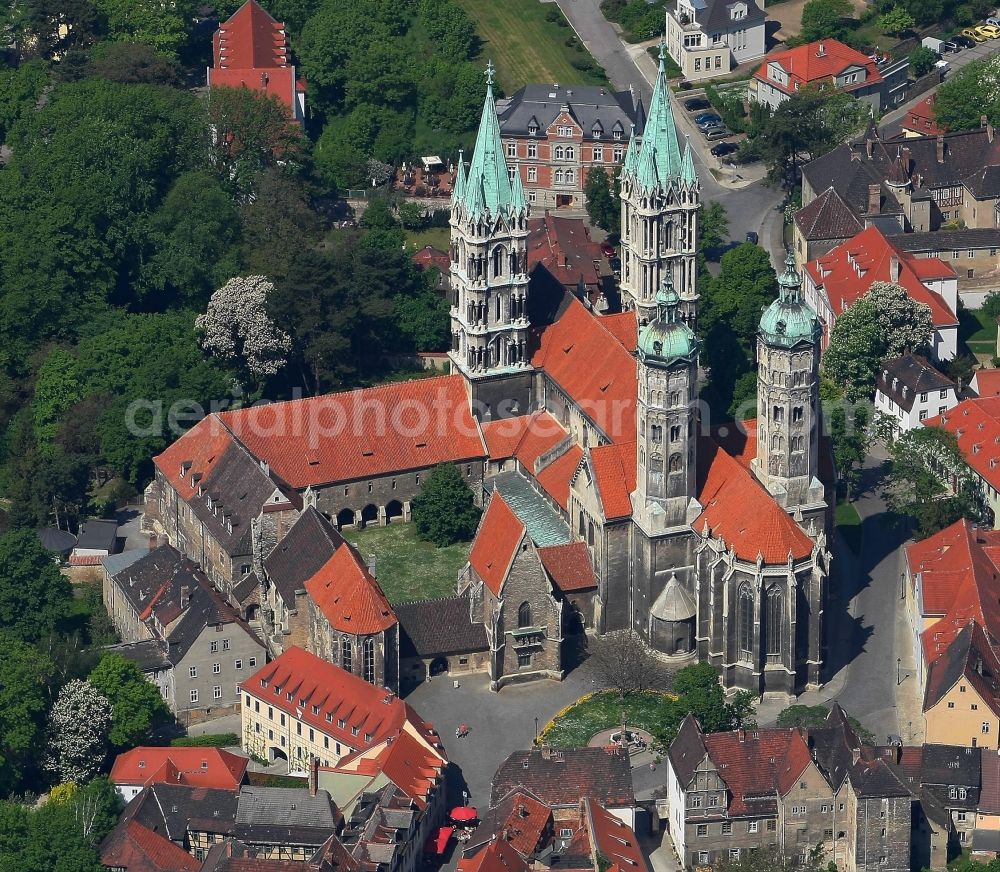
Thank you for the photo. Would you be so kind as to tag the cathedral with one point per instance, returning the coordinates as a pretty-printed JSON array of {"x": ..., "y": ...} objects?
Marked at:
[{"x": 708, "y": 542}]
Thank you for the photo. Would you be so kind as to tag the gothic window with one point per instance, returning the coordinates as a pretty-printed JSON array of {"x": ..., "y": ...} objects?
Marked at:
[
  {"x": 560, "y": 152},
  {"x": 675, "y": 433},
  {"x": 668, "y": 235},
  {"x": 368, "y": 660},
  {"x": 744, "y": 622},
  {"x": 590, "y": 533},
  {"x": 797, "y": 414},
  {"x": 345, "y": 654},
  {"x": 524, "y": 615},
  {"x": 656, "y": 433},
  {"x": 497, "y": 260},
  {"x": 675, "y": 463},
  {"x": 775, "y": 619}
]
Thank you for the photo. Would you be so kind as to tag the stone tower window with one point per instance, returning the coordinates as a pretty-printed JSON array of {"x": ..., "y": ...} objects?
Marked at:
[
  {"x": 368, "y": 659},
  {"x": 775, "y": 620},
  {"x": 744, "y": 624},
  {"x": 346, "y": 656},
  {"x": 524, "y": 615}
]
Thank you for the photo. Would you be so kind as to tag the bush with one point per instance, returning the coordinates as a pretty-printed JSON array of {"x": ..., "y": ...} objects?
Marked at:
[
  {"x": 991, "y": 305},
  {"x": 584, "y": 65},
  {"x": 730, "y": 108},
  {"x": 212, "y": 740},
  {"x": 921, "y": 61},
  {"x": 553, "y": 14},
  {"x": 613, "y": 9}
]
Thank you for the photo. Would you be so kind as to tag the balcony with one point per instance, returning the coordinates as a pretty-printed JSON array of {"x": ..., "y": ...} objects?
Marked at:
[{"x": 528, "y": 637}]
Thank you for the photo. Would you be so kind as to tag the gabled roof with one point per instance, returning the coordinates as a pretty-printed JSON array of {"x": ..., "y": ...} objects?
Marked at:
[
  {"x": 520, "y": 819},
  {"x": 193, "y": 767},
  {"x": 613, "y": 838},
  {"x": 624, "y": 327},
  {"x": 915, "y": 374},
  {"x": 301, "y": 553},
  {"x": 970, "y": 657},
  {"x": 349, "y": 596},
  {"x": 986, "y": 382},
  {"x": 412, "y": 767},
  {"x": 251, "y": 39},
  {"x": 569, "y": 566},
  {"x": 976, "y": 424},
  {"x": 687, "y": 749},
  {"x": 440, "y": 627},
  {"x": 614, "y": 473},
  {"x": 564, "y": 247},
  {"x": 920, "y": 118},
  {"x": 592, "y": 106},
  {"x": 817, "y": 62},
  {"x": 497, "y": 541},
  {"x": 498, "y": 856},
  {"x": 136, "y": 848},
  {"x": 828, "y": 217},
  {"x": 562, "y": 778}
]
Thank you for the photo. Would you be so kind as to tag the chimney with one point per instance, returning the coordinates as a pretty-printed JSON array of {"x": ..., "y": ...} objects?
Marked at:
[
  {"x": 853, "y": 147},
  {"x": 546, "y": 752},
  {"x": 905, "y": 153},
  {"x": 741, "y": 734},
  {"x": 185, "y": 596},
  {"x": 874, "y": 199},
  {"x": 153, "y": 541},
  {"x": 821, "y": 51},
  {"x": 940, "y": 148},
  {"x": 869, "y": 147},
  {"x": 163, "y": 540},
  {"x": 313, "y": 774},
  {"x": 894, "y": 268}
]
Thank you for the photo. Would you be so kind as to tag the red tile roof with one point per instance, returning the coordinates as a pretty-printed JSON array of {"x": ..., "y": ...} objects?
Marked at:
[
  {"x": 624, "y": 327},
  {"x": 593, "y": 368},
  {"x": 987, "y": 382},
  {"x": 138, "y": 849},
  {"x": 503, "y": 435},
  {"x": 614, "y": 473},
  {"x": 613, "y": 838},
  {"x": 757, "y": 762},
  {"x": 349, "y": 596},
  {"x": 527, "y": 819},
  {"x": 497, "y": 856},
  {"x": 817, "y": 62},
  {"x": 976, "y": 424},
  {"x": 542, "y": 434},
  {"x": 362, "y": 434},
  {"x": 408, "y": 763},
  {"x": 198, "y": 452},
  {"x": 564, "y": 247},
  {"x": 555, "y": 477},
  {"x": 312, "y": 682},
  {"x": 194, "y": 767},
  {"x": 569, "y": 566},
  {"x": 847, "y": 272},
  {"x": 497, "y": 541},
  {"x": 429, "y": 256},
  {"x": 920, "y": 119}
]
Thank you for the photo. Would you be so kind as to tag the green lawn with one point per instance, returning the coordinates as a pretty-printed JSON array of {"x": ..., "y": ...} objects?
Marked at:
[
  {"x": 576, "y": 726},
  {"x": 407, "y": 567},
  {"x": 524, "y": 47},
  {"x": 849, "y": 523},
  {"x": 439, "y": 237},
  {"x": 976, "y": 326}
]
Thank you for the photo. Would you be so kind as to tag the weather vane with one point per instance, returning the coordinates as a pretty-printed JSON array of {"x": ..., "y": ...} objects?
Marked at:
[{"x": 489, "y": 72}]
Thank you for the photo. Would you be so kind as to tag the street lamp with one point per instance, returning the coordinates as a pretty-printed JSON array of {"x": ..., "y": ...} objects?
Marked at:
[
  {"x": 536, "y": 730},
  {"x": 899, "y": 661}
]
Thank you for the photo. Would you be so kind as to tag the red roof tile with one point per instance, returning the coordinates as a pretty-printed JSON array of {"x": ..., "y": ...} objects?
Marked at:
[
  {"x": 847, "y": 272},
  {"x": 817, "y": 62},
  {"x": 349, "y": 596},
  {"x": 362, "y": 434},
  {"x": 194, "y": 767},
  {"x": 250, "y": 39},
  {"x": 412, "y": 767},
  {"x": 564, "y": 247},
  {"x": 593, "y": 368},
  {"x": 497, "y": 540},
  {"x": 613, "y": 838},
  {"x": 503, "y": 435},
  {"x": 497, "y": 856},
  {"x": 624, "y": 327},
  {"x": 555, "y": 477},
  {"x": 542, "y": 434},
  {"x": 976, "y": 424},
  {"x": 920, "y": 119},
  {"x": 614, "y": 473},
  {"x": 986, "y": 382},
  {"x": 195, "y": 454},
  {"x": 569, "y": 566},
  {"x": 527, "y": 819},
  {"x": 138, "y": 849}
]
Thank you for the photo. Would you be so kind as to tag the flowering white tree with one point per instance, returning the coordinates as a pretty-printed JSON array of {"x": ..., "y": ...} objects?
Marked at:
[
  {"x": 238, "y": 330},
  {"x": 885, "y": 323},
  {"x": 78, "y": 732}
]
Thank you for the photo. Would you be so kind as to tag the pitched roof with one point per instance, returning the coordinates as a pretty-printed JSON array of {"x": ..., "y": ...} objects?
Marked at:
[
  {"x": 98, "y": 535},
  {"x": 970, "y": 656},
  {"x": 714, "y": 15},
  {"x": 921, "y": 119},
  {"x": 687, "y": 749},
  {"x": 564, "y": 247},
  {"x": 497, "y": 541},
  {"x": 251, "y": 39},
  {"x": 301, "y": 553},
  {"x": 614, "y": 473},
  {"x": 613, "y": 838},
  {"x": 976, "y": 424},
  {"x": 817, "y": 62},
  {"x": 544, "y": 525},
  {"x": 828, "y": 217},
  {"x": 569, "y": 566},
  {"x": 432, "y": 628},
  {"x": 986, "y": 382},
  {"x": 498, "y": 856},
  {"x": 847, "y": 272},
  {"x": 349, "y": 596},
  {"x": 624, "y": 326},
  {"x": 520, "y": 819},
  {"x": 235, "y": 856},
  {"x": 989, "y": 796},
  {"x": 193, "y": 767},
  {"x": 591, "y": 106},
  {"x": 412, "y": 767},
  {"x": 562, "y": 778},
  {"x": 174, "y": 809},
  {"x": 915, "y": 374},
  {"x": 136, "y": 848},
  {"x": 364, "y": 433}
]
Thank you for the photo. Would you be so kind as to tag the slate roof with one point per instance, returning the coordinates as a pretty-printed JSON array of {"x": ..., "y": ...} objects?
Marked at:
[
  {"x": 236, "y": 856},
  {"x": 828, "y": 217},
  {"x": 150, "y": 655},
  {"x": 914, "y": 373},
  {"x": 687, "y": 749},
  {"x": 54, "y": 539},
  {"x": 349, "y": 596},
  {"x": 300, "y": 554},
  {"x": 277, "y": 808},
  {"x": 561, "y": 778},
  {"x": 944, "y": 242},
  {"x": 97, "y": 534},
  {"x": 432, "y": 628},
  {"x": 115, "y": 563},
  {"x": 570, "y": 566},
  {"x": 589, "y": 105},
  {"x": 989, "y": 795},
  {"x": 171, "y": 809},
  {"x": 714, "y": 15},
  {"x": 153, "y": 585}
]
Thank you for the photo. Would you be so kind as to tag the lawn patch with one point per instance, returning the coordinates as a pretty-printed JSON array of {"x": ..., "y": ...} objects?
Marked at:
[
  {"x": 849, "y": 523},
  {"x": 576, "y": 724},
  {"x": 439, "y": 237},
  {"x": 406, "y": 567},
  {"x": 527, "y": 47}
]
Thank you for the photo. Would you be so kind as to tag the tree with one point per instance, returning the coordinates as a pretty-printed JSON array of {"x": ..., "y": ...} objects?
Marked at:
[
  {"x": 78, "y": 732},
  {"x": 137, "y": 706},
  {"x": 132, "y": 63},
  {"x": 896, "y": 22},
  {"x": 701, "y": 694},
  {"x": 991, "y": 305},
  {"x": 921, "y": 463},
  {"x": 824, "y": 19},
  {"x": 238, "y": 330},
  {"x": 624, "y": 663},
  {"x": 850, "y": 433},
  {"x": 601, "y": 204},
  {"x": 445, "y": 512},
  {"x": 423, "y": 318},
  {"x": 159, "y": 25},
  {"x": 808, "y": 716},
  {"x": 34, "y": 595},
  {"x": 969, "y": 94},
  {"x": 885, "y": 323},
  {"x": 24, "y": 675},
  {"x": 922, "y": 61},
  {"x": 713, "y": 227}
]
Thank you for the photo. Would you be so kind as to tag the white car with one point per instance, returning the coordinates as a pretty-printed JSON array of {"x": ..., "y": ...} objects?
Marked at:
[{"x": 994, "y": 20}]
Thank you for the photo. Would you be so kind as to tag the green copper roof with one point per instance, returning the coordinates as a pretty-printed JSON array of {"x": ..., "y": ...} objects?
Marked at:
[
  {"x": 488, "y": 188},
  {"x": 667, "y": 339},
  {"x": 458, "y": 193},
  {"x": 631, "y": 154},
  {"x": 688, "y": 173},
  {"x": 659, "y": 159},
  {"x": 544, "y": 525},
  {"x": 789, "y": 320}
]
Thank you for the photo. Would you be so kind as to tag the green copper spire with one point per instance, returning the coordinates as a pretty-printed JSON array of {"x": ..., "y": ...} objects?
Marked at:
[
  {"x": 667, "y": 339},
  {"x": 459, "y": 190},
  {"x": 488, "y": 188},
  {"x": 789, "y": 320},
  {"x": 631, "y": 154},
  {"x": 660, "y": 156},
  {"x": 688, "y": 174}
]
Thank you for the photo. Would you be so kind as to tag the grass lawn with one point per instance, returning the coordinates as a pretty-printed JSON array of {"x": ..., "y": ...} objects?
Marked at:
[
  {"x": 849, "y": 523},
  {"x": 407, "y": 567},
  {"x": 439, "y": 237},
  {"x": 576, "y": 726},
  {"x": 978, "y": 331},
  {"x": 524, "y": 46}
]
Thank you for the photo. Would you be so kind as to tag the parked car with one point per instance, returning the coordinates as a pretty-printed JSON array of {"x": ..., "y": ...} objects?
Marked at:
[
  {"x": 994, "y": 20},
  {"x": 942, "y": 67},
  {"x": 707, "y": 118},
  {"x": 970, "y": 33},
  {"x": 988, "y": 31},
  {"x": 697, "y": 103},
  {"x": 719, "y": 132},
  {"x": 752, "y": 237},
  {"x": 607, "y": 249},
  {"x": 963, "y": 41},
  {"x": 721, "y": 149},
  {"x": 949, "y": 46}
]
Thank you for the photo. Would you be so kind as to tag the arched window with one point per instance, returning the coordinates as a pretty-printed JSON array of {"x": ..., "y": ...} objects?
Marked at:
[
  {"x": 775, "y": 620},
  {"x": 560, "y": 152},
  {"x": 776, "y": 442},
  {"x": 497, "y": 260},
  {"x": 590, "y": 533},
  {"x": 796, "y": 414},
  {"x": 346, "y": 658},
  {"x": 745, "y": 622},
  {"x": 675, "y": 463},
  {"x": 570, "y": 152},
  {"x": 524, "y": 615},
  {"x": 797, "y": 443},
  {"x": 368, "y": 660},
  {"x": 570, "y": 176},
  {"x": 559, "y": 177}
]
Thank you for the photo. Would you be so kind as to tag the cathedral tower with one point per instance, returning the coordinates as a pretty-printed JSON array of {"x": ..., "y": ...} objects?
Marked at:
[
  {"x": 489, "y": 264},
  {"x": 788, "y": 398},
  {"x": 659, "y": 208}
]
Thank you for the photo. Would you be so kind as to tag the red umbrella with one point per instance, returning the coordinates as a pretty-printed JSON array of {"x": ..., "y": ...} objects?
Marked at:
[{"x": 464, "y": 814}]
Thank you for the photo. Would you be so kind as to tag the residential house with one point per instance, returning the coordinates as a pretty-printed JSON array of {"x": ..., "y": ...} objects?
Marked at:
[
  {"x": 919, "y": 120},
  {"x": 985, "y": 383},
  {"x": 285, "y": 823},
  {"x": 97, "y": 539},
  {"x": 828, "y": 63},
  {"x": 179, "y": 631},
  {"x": 564, "y": 248},
  {"x": 133, "y": 847},
  {"x": 986, "y": 835},
  {"x": 300, "y": 706},
  {"x": 910, "y": 390},
  {"x": 214, "y": 768},
  {"x": 708, "y": 38},
  {"x": 836, "y": 280},
  {"x": 235, "y": 856},
  {"x": 250, "y": 50},
  {"x": 554, "y": 135}
]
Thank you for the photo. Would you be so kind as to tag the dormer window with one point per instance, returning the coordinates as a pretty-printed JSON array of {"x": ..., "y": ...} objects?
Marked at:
[
  {"x": 597, "y": 131},
  {"x": 618, "y": 132}
]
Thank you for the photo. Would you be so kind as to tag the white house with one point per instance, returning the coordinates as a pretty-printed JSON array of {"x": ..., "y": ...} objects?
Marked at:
[
  {"x": 707, "y": 38},
  {"x": 910, "y": 391}
]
